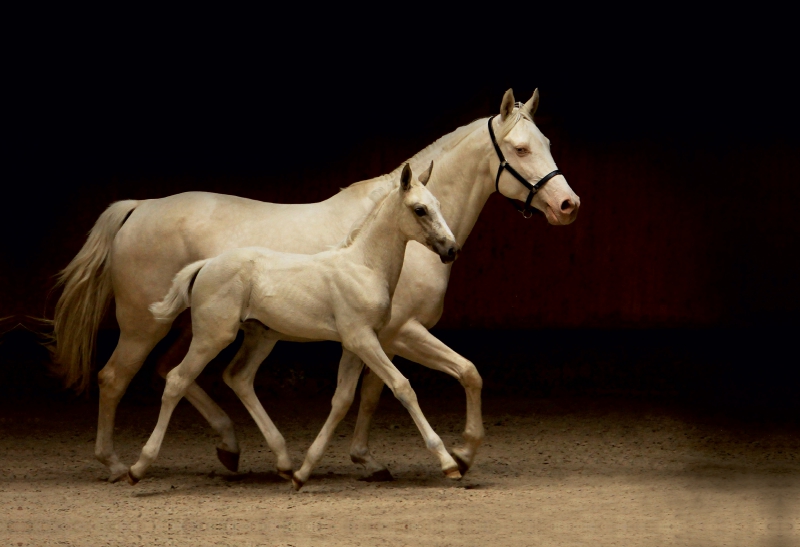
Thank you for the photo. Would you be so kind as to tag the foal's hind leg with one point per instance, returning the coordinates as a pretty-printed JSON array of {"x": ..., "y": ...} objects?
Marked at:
[
  {"x": 239, "y": 376},
  {"x": 228, "y": 447},
  {"x": 201, "y": 351},
  {"x": 349, "y": 370}
]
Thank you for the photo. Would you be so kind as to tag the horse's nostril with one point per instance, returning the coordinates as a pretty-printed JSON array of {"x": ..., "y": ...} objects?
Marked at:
[
  {"x": 451, "y": 251},
  {"x": 566, "y": 205}
]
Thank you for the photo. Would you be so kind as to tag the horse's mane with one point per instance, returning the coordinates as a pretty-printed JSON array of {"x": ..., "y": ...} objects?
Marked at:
[{"x": 441, "y": 145}]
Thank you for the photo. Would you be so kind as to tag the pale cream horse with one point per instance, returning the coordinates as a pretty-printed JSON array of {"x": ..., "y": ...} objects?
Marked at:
[
  {"x": 343, "y": 295},
  {"x": 136, "y": 248}
]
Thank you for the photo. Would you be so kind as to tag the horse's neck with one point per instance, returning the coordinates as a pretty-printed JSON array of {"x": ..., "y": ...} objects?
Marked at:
[
  {"x": 381, "y": 245},
  {"x": 462, "y": 182}
]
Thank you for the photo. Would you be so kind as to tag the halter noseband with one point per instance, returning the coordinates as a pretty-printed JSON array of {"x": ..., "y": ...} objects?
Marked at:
[{"x": 527, "y": 210}]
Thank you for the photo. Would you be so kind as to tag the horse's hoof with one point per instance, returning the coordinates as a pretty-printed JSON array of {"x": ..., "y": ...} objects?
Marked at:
[
  {"x": 132, "y": 480},
  {"x": 287, "y": 474},
  {"x": 297, "y": 484},
  {"x": 229, "y": 459},
  {"x": 382, "y": 475},
  {"x": 453, "y": 473},
  {"x": 116, "y": 476},
  {"x": 463, "y": 466}
]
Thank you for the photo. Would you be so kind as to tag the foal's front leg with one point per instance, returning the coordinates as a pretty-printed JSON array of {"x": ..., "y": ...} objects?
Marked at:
[
  {"x": 349, "y": 370},
  {"x": 367, "y": 346}
]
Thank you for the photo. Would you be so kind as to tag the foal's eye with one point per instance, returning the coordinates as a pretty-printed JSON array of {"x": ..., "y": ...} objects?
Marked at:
[
  {"x": 521, "y": 151},
  {"x": 421, "y": 212}
]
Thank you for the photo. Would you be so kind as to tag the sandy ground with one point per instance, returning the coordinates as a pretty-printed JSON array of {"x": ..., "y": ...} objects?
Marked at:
[{"x": 551, "y": 472}]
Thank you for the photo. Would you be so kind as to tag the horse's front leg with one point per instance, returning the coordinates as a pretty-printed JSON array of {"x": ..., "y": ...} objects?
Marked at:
[
  {"x": 349, "y": 370},
  {"x": 415, "y": 343},
  {"x": 366, "y": 345},
  {"x": 371, "y": 388}
]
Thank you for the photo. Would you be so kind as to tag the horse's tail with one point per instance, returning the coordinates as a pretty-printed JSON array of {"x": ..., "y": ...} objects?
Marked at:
[
  {"x": 86, "y": 294},
  {"x": 177, "y": 298}
]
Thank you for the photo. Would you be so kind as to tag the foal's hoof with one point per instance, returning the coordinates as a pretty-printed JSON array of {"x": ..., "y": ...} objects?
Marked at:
[
  {"x": 287, "y": 474},
  {"x": 453, "y": 473},
  {"x": 229, "y": 459},
  {"x": 297, "y": 484},
  {"x": 381, "y": 475},
  {"x": 118, "y": 475},
  {"x": 132, "y": 480},
  {"x": 463, "y": 466}
]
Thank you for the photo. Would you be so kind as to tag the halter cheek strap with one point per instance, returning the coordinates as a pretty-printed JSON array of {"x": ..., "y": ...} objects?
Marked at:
[{"x": 527, "y": 211}]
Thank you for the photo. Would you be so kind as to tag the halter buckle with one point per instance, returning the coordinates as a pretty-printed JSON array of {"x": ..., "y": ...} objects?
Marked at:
[{"x": 529, "y": 215}]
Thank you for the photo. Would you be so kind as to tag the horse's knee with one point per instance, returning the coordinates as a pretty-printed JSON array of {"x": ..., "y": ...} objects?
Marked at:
[
  {"x": 470, "y": 378},
  {"x": 404, "y": 392}
]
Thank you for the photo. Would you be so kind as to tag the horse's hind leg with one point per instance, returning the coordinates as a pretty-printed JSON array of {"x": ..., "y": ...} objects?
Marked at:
[
  {"x": 349, "y": 370},
  {"x": 239, "y": 376},
  {"x": 228, "y": 447},
  {"x": 371, "y": 388},
  {"x": 128, "y": 357}
]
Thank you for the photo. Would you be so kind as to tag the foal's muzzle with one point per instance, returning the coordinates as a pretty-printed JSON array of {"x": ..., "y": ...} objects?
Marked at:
[{"x": 448, "y": 252}]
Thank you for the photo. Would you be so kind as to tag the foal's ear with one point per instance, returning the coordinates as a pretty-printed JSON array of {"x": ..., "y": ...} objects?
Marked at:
[
  {"x": 533, "y": 103},
  {"x": 507, "y": 105},
  {"x": 426, "y": 176},
  {"x": 405, "y": 178}
]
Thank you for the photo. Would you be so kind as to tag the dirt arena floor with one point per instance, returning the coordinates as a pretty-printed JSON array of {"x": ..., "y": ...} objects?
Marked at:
[{"x": 569, "y": 471}]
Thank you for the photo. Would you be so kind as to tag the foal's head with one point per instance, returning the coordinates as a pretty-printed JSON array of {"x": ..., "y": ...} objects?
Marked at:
[{"x": 421, "y": 218}]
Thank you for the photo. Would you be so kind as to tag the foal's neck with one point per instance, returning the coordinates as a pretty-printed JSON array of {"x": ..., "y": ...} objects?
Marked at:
[{"x": 381, "y": 245}]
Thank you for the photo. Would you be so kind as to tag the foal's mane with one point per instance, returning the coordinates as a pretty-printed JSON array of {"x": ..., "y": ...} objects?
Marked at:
[
  {"x": 441, "y": 145},
  {"x": 378, "y": 196}
]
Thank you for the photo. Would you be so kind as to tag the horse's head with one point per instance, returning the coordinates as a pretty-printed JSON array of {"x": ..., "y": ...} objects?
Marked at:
[
  {"x": 527, "y": 151},
  {"x": 421, "y": 217}
]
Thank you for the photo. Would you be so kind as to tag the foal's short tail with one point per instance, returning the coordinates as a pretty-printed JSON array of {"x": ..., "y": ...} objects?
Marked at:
[
  {"x": 87, "y": 291},
  {"x": 178, "y": 297}
]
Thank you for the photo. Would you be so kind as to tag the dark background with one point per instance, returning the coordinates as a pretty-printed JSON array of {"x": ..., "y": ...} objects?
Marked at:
[{"x": 679, "y": 278}]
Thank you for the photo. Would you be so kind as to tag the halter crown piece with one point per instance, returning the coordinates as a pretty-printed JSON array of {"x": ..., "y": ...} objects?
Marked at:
[{"x": 527, "y": 211}]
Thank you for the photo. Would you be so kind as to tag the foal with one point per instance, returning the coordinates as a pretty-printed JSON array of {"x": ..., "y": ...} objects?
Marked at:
[{"x": 343, "y": 295}]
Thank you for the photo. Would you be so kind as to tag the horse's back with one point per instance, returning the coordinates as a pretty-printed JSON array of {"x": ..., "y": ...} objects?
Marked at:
[{"x": 163, "y": 235}]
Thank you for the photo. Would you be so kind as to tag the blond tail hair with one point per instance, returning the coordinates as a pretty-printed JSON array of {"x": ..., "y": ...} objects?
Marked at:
[{"x": 86, "y": 294}]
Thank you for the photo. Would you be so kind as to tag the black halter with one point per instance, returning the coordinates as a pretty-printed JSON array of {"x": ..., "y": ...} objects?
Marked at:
[{"x": 526, "y": 211}]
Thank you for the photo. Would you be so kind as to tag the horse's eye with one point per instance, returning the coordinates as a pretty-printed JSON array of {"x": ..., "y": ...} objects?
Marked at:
[{"x": 421, "y": 212}]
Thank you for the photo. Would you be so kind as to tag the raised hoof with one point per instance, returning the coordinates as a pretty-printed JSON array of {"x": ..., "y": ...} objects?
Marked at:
[
  {"x": 297, "y": 484},
  {"x": 463, "y": 467},
  {"x": 229, "y": 459},
  {"x": 382, "y": 475},
  {"x": 131, "y": 479},
  {"x": 287, "y": 474},
  {"x": 454, "y": 474}
]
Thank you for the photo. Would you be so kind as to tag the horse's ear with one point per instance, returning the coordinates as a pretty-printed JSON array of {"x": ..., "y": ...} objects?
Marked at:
[
  {"x": 533, "y": 103},
  {"x": 426, "y": 176},
  {"x": 405, "y": 178},
  {"x": 507, "y": 106}
]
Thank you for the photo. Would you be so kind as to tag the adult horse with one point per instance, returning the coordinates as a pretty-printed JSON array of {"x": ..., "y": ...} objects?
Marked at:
[{"x": 136, "y": 247}]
